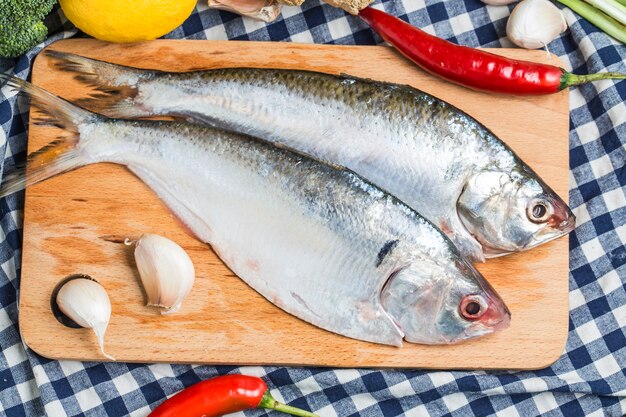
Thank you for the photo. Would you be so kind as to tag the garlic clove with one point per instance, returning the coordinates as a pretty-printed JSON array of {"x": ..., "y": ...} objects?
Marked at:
[
  {"x": 87, "y": 303},
  {"x": 534, "y": 24},
  {"x": 166, "y": 271},
  {"x": 264, "y": 10}
]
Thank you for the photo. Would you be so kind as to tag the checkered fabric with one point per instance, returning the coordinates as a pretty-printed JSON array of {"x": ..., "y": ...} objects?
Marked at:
[{"x": 589, "y": 379}]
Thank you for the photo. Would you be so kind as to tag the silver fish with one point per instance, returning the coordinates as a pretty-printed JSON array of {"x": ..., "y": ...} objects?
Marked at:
[
  {"x": 429, "y": 154},
  {"x": 317, "y": 241}
]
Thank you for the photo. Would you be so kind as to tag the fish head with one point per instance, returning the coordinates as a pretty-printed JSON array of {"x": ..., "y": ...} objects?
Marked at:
[
  {"x": 435, "y": 303},
  {"x": 512, "y": 211}
]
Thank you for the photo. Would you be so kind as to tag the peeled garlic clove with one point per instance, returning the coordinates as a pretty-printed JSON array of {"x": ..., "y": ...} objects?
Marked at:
[
  {"x": 535, "y": 23},
  {"x": 166, "y": 271},
  {"x": 264, "y": 10},
  {"x": 87, "y": 303}
]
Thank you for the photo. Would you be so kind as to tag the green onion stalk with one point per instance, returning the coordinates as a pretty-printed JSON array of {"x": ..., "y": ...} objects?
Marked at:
[
  {"x": 600, "y": 19},
  {"x": 612, "y": 8},
  {"x": 622, "y": 2}
]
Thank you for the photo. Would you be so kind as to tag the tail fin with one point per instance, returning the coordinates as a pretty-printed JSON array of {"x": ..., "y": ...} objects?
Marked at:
[
  {"x": 58, "y": 156},
  {"x": 116, "y": 85}
]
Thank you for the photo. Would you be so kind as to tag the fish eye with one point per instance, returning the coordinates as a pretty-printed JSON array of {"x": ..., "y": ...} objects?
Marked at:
[
  {"x": 539, "y": 211},
  {"x": 472, "y": 307}
]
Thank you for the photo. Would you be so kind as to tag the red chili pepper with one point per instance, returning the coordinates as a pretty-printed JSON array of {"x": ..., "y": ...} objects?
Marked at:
[
  {"x": 223, "y": 395},
  {"x": 470, "y": 67}
]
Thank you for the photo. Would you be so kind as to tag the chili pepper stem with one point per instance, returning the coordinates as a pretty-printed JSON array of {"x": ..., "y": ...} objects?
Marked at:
[
  {"x": 568, "y": 79},
  {"x": 269, "y": 402}
]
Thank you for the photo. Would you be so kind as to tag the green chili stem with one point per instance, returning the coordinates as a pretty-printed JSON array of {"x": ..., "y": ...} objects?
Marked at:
[
  {"x": 598, "y": 18},
  {"x": 269, "y": 402},
  {"x": 568, "y": 79}
]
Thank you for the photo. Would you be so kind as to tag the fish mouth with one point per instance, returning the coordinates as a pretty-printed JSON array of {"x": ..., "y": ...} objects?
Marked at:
[
  {"x": 502, "y": 323},
  {"x": 498, "y": 316},
  {"x": 563, "y": 219},
  {"x": 558, "y": 226},
  {"x": 567, "y": 224}
]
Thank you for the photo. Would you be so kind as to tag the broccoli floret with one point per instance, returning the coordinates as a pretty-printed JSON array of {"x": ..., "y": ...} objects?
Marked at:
[{"x": 21, "y": 25}]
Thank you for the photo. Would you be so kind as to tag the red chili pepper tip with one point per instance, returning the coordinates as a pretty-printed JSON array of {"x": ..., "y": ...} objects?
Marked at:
[{"x": 473, "y": 68}]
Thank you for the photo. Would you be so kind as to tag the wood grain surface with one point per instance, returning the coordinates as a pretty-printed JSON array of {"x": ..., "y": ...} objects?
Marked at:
[{"x": 76, "y": 223}]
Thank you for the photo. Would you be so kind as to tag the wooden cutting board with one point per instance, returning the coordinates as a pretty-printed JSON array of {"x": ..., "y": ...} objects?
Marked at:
[{"x": 76, "y": 223}]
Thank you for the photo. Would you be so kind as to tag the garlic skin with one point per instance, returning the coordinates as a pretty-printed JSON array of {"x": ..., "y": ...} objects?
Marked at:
[
  {"x": 351, "y": 6},
  {"x": 87, "y": 303},
  {"x": 534, "y": 24},
  {"x": 264, "y": 10},
  {"x": 498, "y": 2},
  {"x": 291, "y": 2},
  {"x": 166, "y": 271}
]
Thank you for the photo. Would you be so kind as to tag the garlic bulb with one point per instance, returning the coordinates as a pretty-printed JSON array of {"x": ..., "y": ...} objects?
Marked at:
[
  {"x": 87, "y": 303},
  {"x": 498, "y": 2},
  {"x": 166, "y": 271},
  {"x": 264, "y": 10},
  {"x": 535, "y": 23}
]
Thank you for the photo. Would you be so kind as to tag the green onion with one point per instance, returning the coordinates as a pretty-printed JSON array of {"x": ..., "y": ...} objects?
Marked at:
[
  {"x": 612, "y": 8},
  {"x": 598, "y": 18}
]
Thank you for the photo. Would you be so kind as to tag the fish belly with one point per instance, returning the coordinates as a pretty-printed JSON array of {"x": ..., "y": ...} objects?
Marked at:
[{"x": 238, "y": 196}]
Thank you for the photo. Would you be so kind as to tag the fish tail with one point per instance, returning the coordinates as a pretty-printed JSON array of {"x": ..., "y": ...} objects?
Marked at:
[
  {"x": 116, "y": 86},
  {"x": 58, "y": 156}
]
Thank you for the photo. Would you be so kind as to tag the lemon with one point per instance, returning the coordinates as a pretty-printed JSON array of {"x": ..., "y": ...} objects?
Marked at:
[{"x": 127, "y": 20}]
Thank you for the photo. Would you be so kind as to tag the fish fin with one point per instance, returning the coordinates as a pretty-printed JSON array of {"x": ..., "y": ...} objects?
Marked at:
[
  {"x": 58, "y": 156},
  {"x": 115, "y": 85}
]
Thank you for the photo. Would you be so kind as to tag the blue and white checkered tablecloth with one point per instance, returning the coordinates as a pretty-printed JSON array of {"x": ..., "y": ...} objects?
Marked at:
[{"x": 589, "y": 379}]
